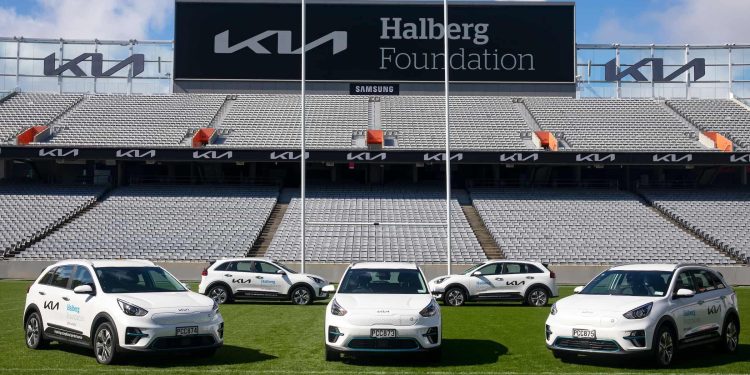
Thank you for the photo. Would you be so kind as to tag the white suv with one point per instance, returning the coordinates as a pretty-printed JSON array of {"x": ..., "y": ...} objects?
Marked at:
[
  {"x": 498, "y": 280},
  {"x": 646, "y": 309},
  {"x": 113, "y": 306},
  {"x": 259, "y": 278},
  {"x": 383, "y": 307}
]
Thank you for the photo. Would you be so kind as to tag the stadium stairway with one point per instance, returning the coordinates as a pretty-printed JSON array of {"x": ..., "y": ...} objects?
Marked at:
[
  {"x": 269, "y": 229},
  {"x": 481, "y": 233}
]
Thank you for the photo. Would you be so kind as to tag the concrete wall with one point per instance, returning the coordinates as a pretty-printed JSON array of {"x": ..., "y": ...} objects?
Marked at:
[{"x": 187, "y": 271}]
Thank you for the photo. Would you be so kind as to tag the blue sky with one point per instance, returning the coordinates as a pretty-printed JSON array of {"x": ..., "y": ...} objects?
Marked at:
[{"x": 598, "y": 21}]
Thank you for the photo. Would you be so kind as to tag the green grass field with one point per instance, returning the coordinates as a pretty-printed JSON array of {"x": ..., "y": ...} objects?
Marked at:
[{"x": 278, "y": 338}]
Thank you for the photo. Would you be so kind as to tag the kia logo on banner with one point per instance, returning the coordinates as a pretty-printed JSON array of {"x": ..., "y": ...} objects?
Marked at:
[
  {"x": 657, "y": 68},
  {"x": 97, "y": 65},
  {"x": 375, "y": 42}
]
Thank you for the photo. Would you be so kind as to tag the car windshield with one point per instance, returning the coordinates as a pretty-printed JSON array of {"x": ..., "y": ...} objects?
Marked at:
[
  {"x": 383, "y": 281},
  {"x": 630, "y": 283},
  {"x": 137, "y": 280},
  {"x": 473, "y": 268},
  {"x": 287, "y": 269}
]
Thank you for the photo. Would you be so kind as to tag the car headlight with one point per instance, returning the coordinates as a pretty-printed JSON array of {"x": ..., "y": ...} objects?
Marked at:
[
  {"x": 317, "y": 280},
  {"x": 639, "y": 312},
  {"x": 441, "y": 279},
  {"x": 553, "y": 311},
  {"x": 131, "y": 309},
  {"x": 336, "y": 309},
  {"x": 430, "y": 310}
]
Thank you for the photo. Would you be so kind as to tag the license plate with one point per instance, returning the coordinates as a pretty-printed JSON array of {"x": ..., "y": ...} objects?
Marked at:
[
  {"x": 382, "y": 333},
  {"x": 584, "y": 334},
  {"x": 186, "y": 331}
]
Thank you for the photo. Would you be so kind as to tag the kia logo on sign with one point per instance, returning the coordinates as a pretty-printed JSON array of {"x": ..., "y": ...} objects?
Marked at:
[
  {"x": 97, "y": 65},
  {"x": 283, "y": 43},
  {"x": 657, "y": 67}
]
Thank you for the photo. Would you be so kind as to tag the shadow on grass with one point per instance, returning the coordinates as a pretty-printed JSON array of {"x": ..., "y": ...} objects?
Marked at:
[
  {"x": 226, "y": 355},
  {"x": 690, "y": 358},
  {"x": 456, "y": 352}
]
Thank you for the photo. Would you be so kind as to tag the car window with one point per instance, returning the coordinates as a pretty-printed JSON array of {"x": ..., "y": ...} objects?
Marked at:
[
  {"x": 47, "y": 278},
  {"x": 630, "y": 283},
  {"x": 263, "y": 267},
  {"x": 530, "y": 268},
  {"x": 137, "y": 280},
  {"x": 491, "y": 269},
  {"x": 82, "y": 277},
  {"x": 62, "y": 276},
  {"x": 514, "y": 268},
  {"x": 244, "y": 266},
  {"x": 222, "y": 267},
  {"x": 383, "y": 281},
  {"x": 684, "y": 281},
  {"x": 716, "y": 280},
  {"x": 702, "y": 281}
]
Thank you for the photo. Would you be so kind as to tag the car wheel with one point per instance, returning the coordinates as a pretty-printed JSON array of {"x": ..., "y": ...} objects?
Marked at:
[
  {"x": 455, "y": 297},
  {"x": 332, "y": 355},
  {"x": 537, "y": 297},
  {"x": 301, "y": 295},
  {"x": 220, "y": 294},
  {"x": 105, "y": 343},
  {"x": 664, "y": 346},
  {"x": 730, "y": 337},
  {"x": 34, "y": 332}
]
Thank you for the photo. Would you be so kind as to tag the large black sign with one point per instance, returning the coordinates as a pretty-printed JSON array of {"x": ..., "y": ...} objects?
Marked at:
[{"x": 489, "y": 42}]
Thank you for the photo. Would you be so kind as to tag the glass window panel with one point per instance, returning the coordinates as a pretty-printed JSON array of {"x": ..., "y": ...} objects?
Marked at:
[
  {"x": 716, "y": 73},
  {"x": 7, "y": 84},
  {"x": 123, "y": 72},
  {"x": 741, "y": 73},
  {"x": 645, "y": 70},
  {"x": 8, "y": 49},
  {"x": 632, "y": 56},
  {"x": 670, "y": 90},
  {"x": 78, "y": 85},
  {"x": 31, "y": 67},
  {"x": 671, "y": 56},
  {"x": 39, "y": 84},
  {"x": 741, "y": 56},
  {"x": 596, "y": 56},
  {"x": 635, "y": 90},
  {"x": 712, "y": 56},
  {"x": 38, "y": 50},
  {"x": 84, "y": 65},
  {"x": 597, "y": 90},
  {"x": 73, "y": 50},
  {"x": 709, "y": 90},
  {"x": 8, "y": 66},
  {"x": 114, "y": 51},
  {"x": 151, "y": 86},
  {"x": 111, "y": 85},
  {"x": 741, "y": 89}
]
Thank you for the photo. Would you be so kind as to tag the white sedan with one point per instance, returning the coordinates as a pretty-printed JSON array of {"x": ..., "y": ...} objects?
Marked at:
[
  {"x": 382, "y": 307},
  {"x": 648, "y": 309}
]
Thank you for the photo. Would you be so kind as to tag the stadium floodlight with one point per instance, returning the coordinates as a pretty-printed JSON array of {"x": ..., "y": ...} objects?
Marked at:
[
  {"x": 446, "y": 69},
  {"x": 302, "y": 140}
]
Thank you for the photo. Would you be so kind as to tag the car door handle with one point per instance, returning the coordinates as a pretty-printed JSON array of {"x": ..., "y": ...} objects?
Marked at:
[
  {"x": 259, "y": 277},
  {"x": 701, "y": 302},
  {"x": 227, "y": 275},
  {"x": 499, "y": 279},
  {"x": 530, "y": 277},
  {"x": 42, "y": 293},
  {"x": 66, "y": 298}
]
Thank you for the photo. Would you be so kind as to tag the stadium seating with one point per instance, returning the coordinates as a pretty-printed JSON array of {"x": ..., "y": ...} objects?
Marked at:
[
  {"x": 563, "y": 226},
  {"x": 720, "y": 216},
  {"x": 138, "y": 120},
  {"x": 348, "y": 243},
  {"x": 613, "y": 124},
  {"x": 722, "y": 115},
  {"x": 163, "y": 223},
  {"x": 30, "y": 211},
  {"x": 24, "y": 110}
]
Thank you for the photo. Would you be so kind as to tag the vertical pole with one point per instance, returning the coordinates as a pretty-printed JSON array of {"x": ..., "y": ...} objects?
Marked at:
[
  {"x": 302, "y": 148},
  {"x": 729, "y": 66},
  {"x": 18, "y": 65},
  {"x": 617, "y": 63},
  {"x": 687, "y": 76},
  {"x": 447, "y": 138}
]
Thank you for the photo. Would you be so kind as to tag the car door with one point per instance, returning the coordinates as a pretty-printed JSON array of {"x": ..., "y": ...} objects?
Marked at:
[
  {"x": 80, "y": 309},
  {"x": 271, "y": 281},
  {"x": 709, "y": 301},
  {"x": 240, "y": 275},
  {"x": 54, "y": 295},
  {"x": 488, "y": 279},
  {"x": 685, "y": 311},
  {"x": 515, "y": 279}
]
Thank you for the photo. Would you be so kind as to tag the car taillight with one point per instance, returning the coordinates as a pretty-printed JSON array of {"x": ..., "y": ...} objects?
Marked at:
[
  {"x": 551, "y": 275},
  {"x": 205, "y": 272}
]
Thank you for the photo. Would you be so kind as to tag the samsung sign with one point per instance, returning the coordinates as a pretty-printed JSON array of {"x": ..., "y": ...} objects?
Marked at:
[{"x": 489, "y": 42}]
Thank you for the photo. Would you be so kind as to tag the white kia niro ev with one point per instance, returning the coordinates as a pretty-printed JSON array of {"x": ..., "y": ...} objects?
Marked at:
[
  {"x": 383, "y": 307},
  {"x": 648, "y": 309},
  {"x": 112, "y": 306}
]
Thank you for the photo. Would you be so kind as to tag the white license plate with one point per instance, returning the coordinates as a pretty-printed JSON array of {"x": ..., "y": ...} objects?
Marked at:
[
  {"x": 584, "y": 334},
  {"x": 382, "y": 333},
  {"x": 186, "y": 331}
]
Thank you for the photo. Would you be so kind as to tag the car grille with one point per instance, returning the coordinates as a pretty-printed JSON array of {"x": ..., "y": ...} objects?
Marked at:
[
  {"x": 583, "y": 344},
  {"x": 384, "y": 344},
  {"x": 167, "y": 343}
]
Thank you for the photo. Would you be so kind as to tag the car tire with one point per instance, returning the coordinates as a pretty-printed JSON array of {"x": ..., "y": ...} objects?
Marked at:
[
  {"x": 301, "y": 295},
  {"x": 105, "y": 343},
  {"x": 537, "y": 297},
  {"x": 220, "y": 294},
  {"x": 34, "y": 332},
  {"x": 332, "y": 355},
  {"x": 664, "y": 346},
  {"x": 455, "y": 297},
  {"x": 730, "y": 336}
]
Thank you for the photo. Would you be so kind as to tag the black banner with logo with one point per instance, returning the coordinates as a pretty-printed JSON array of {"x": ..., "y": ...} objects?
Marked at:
[{"x": 489, "y": 42}]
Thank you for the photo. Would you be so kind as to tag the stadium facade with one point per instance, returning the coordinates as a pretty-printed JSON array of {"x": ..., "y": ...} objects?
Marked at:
[{"x": 578, "y": 145}]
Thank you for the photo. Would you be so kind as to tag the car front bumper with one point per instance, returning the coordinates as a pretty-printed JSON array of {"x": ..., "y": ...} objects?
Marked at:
[
  {"x": 629, "y": 337},
  {"x": 142, "y": 334},
  {"x": 426, "y": 335}
]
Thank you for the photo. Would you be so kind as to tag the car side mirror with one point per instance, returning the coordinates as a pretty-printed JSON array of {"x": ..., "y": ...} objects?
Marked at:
[
  {"x": 280, "y": 272},
  {"x": 330, "y": 288},
  {"x": 476, "y": 274},
  {"x": 83, "y": 289},
  {"x": 578, "y": 289},
  {"x": 684, "y": 293}
]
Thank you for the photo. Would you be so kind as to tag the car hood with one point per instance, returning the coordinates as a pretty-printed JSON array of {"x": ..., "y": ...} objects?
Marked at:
[
  {"x": 596, "y": 305},
  {"x": 305, "y": 277},
  {"x": 167, "y": 300},
  {"x": 441, "y": 277},
  {"x": 396, "y": 302}
]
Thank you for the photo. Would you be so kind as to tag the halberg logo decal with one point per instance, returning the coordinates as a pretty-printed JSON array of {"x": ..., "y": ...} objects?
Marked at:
[
  {"x": 597, "y": 158},
  {"x": 365, "y": 156},
  {"x": 657, "y": 67},
  {"x": 739, "y": 158},
  {"x": 135, "y": 154},
  {"x": 519, "y": 157},
  {"x": 441, "y": 156},
  {"x": 58, "y": 152},
  {"x": 284, "y": 43},
  {"x": 50, "y": 305},
  {"x": 672, "y": 158},
  {"x": 97, "y": 62},
  {"x": 212, "y": 155},
  {"x": 288, "y": 155}
]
